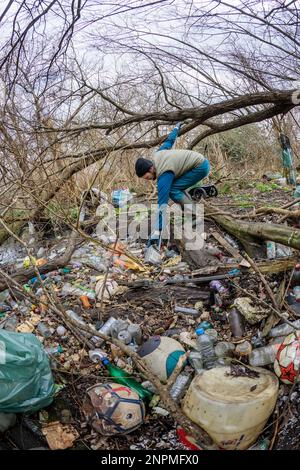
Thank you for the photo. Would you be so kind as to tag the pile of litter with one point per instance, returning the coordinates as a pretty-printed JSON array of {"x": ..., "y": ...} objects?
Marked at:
[{"x": 225, "y": 350}]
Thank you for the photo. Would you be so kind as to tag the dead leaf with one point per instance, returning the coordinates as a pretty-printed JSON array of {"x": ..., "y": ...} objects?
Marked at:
[{"x": 60, "y": 436}]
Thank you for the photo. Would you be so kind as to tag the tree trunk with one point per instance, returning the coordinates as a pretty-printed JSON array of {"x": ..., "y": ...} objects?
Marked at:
[{"x": 251, "y": 233}]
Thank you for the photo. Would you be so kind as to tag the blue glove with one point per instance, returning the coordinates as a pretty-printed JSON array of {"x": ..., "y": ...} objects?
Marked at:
[
  {"x": 178, "y": 125},
  {"x": 154, "y": 238}
]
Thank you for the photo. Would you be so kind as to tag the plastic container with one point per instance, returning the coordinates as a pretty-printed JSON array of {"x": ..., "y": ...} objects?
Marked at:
[
  {"x": 180, "y": 386},
  {"x": 188, "y": 311},
  {"x": 136, "y": 333},
  {"x": 205, "y": 346},
  {"x": 152, "y": 256},
  {"x": 44, "y": 330},
  {"x": 264, "y": 356},
  {"x": 106, "y": 328},
  {"x": 236, "y": 323},
  {"x": 54, "y": 350},
  {"x": 244, "y": 349},
  {"x": 284, "y": 329},
  {"x": 75, "y": 317},
  {"x": 11, "y": 323},
  {"x": 124, "y": 336},
  {"x": 213, "y": 334},
  {"x": 294, "y": 305},
  {"x": 205, "y": 325},
  {"x": 224, "y": 349},
  {"x": 232, "y": 410},
  {"x": 196, "y": 361},
  {"x": 231, "y": 242}
]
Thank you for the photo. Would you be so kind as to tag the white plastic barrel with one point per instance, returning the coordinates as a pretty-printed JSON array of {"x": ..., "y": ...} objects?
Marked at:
[{"x": 232, "y": 410}]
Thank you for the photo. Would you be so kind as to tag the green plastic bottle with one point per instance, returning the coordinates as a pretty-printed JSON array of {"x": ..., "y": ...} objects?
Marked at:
[{"x": 124, "y": 378}]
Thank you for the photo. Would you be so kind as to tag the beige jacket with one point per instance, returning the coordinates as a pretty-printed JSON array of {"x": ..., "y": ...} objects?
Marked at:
[{"x": 177, "y": 161}]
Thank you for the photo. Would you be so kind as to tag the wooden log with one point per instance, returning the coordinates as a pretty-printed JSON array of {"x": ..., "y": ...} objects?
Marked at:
[{"x": 252, "y": 233}]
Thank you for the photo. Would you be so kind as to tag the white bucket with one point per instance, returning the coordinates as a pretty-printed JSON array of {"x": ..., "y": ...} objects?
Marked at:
[{"x": 232, "y": 410}]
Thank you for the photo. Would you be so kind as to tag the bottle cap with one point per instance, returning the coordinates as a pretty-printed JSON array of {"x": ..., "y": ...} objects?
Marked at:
[{"x": 199, "y": 331}]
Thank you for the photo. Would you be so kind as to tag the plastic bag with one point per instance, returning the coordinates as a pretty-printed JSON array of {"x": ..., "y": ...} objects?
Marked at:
[
  {"x": 120, "y": 197},
  {"x": 26, "y": 382}
]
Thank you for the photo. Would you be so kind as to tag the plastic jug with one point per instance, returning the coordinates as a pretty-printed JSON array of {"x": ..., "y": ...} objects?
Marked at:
[{"x": 232, "y": 410}]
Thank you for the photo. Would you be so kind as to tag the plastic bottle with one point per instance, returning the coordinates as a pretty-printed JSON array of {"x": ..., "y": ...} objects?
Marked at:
[
  {"x": 122, "y": 377},
  {"x": 196, "y": 361},
  {"x": 224, "y": 349},
  {"x": 4, "y": 308},
  {"x": 44, "y": 330},
  {"x": 212, "y": 333},
  {"x": 296, "y": 292},
  {"x": 74, "y": 316},
  {"x": 295, "y": 306},
  {"x": 180, "y": 386},
  {"x": 218, "y": 287},
  {"x": 136, "y": 333},
  {"x": 231, "y": 241},
  {"x": 215, "y": 299},
  {"x": 205, "y": 325},
  {"x": 283, "y": 251},
  {"x": 124, "y": 336},
  {"x": 244, "y": 349},
  {"x": 263, "y": 444},
  {"x": 11, "y": 323},
  {"x": 263, "y": 356},
  {"x": 54, "y": 350},
  {"x": 205, "y": 346},
  {"x": 189, "y": 311},
  {"x": 236, "y": 322},
  {"x": 258, "y": 341},
  {"x": 116, "y": 327},
  {"x": 284, "y": 329},
  {"x": 106, "y": 329}
]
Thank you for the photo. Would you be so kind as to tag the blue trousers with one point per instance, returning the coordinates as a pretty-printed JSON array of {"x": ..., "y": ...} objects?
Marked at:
[{"x": 188, "y": 179}]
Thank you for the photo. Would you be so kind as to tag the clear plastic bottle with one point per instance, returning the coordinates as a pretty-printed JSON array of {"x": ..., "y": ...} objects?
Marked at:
[
  {"x": 74, "y": 316},
  {"x": 54, "y": 350},
  {"x": 224, "y": 349},
  {"x": 124, "y": 336},
  {"x": 180, "y": 386},
  {"x": 231, "y": 241},
  {"x": 284, "y": 329},
  {"x": 236, "y": 323},
  {"x": 205, "y": 346},
  {"x": 244, "y": 349},
  {"x": 196, "y": 361},
  {"x": 263, "y": 356},
  {"x": 188, "y": 311},
  {"x": 106, "y": 328},
  {"x": 11, "y": 323},
  {"x": 44, "y": 330},
  {"x": 213, "y": 334},
  {"x": 136, "y": 333},
  {"x": 116, "y": 327}
]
